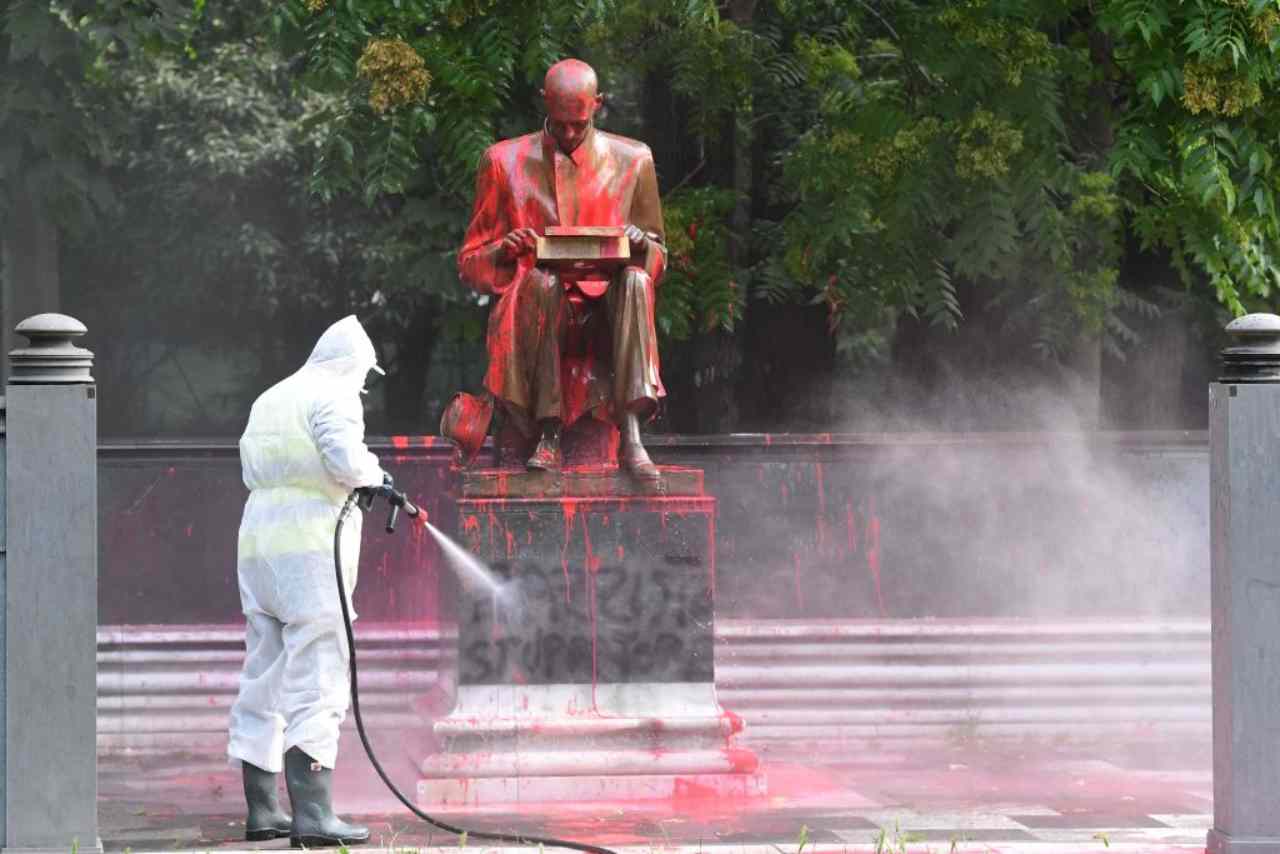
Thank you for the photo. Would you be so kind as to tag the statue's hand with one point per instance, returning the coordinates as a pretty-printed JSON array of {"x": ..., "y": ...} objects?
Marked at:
[
  {"x": 520, "y": 241},
  {"x": 638, "y": 239}
]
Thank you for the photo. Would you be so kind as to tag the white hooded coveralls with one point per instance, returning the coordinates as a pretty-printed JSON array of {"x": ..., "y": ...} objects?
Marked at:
[{"x": 301, "y": 454}]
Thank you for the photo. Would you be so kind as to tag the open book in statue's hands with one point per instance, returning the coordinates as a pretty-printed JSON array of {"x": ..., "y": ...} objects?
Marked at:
[{"x": 585, "y": 256}]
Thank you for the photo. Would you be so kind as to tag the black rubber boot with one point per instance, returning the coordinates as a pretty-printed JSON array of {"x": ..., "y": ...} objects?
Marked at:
[
  {"x": 266, "y": 820},
  {"x": 311, "y": 792}
]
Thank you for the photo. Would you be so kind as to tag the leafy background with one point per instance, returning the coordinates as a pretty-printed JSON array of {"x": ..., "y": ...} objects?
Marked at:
[{"x": 881, "y": 213}]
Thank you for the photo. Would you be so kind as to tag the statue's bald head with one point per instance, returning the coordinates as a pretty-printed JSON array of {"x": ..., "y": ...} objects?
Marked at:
[
  {"x": 572, "y": 97},
  {"x": 570, "y": 78}
]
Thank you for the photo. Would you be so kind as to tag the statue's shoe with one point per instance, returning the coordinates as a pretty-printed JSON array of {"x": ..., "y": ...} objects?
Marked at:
[
  {"x": 635, "y": 459},
  {"x": 546, "y": 457}
]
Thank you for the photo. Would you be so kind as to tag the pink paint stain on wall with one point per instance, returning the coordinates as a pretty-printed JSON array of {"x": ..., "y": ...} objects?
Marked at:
[
  {"x": 873, "y": 552},
  {"x": 821, "y": 533}
]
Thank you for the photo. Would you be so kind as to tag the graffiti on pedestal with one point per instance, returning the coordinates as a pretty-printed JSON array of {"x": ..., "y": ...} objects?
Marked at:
[{"x": 604, "y": 597}]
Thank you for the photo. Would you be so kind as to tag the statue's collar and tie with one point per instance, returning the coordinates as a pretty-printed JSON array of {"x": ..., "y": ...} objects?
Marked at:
[{"x": 580, "y": 155}]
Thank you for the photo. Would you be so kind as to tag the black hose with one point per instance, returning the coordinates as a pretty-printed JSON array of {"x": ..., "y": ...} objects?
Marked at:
[{"x": 509, "y": 838}]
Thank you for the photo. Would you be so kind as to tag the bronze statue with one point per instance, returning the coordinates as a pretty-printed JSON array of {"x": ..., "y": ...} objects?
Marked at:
[{"x": 575, "y": 340}]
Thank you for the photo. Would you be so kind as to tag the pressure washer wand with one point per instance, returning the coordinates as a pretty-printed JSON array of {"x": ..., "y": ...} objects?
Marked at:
[{"x": 398, "y": 500}]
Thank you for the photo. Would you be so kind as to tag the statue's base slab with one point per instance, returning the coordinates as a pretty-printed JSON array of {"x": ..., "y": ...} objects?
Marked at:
[
  {"x": 471, "y": 794},
  {"x": 591, "y": 676},
  {"x": 630, "y": 742}
]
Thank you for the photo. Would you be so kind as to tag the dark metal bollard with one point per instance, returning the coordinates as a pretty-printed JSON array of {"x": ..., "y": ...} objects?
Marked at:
[
  {"x": 50, "y": 593},
  {"x": 1244, "y": 436}
]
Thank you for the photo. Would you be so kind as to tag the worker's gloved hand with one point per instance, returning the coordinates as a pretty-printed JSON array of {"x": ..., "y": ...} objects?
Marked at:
[{"x": 385, "y": 490}]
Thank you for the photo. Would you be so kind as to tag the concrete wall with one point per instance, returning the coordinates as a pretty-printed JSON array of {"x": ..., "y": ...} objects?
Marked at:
[{"x": 817, "y": 526}]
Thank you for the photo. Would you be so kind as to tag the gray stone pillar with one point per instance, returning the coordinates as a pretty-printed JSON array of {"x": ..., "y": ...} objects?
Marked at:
[
  {"x": 1244, "y": 436},
  {"x": 50, "y": 592}
]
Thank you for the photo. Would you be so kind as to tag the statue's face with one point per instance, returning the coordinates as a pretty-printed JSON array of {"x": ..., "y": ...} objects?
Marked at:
[{"x": 570, "y": 116}]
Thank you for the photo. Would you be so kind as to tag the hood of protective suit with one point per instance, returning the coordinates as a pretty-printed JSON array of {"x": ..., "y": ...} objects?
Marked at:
[{"x": 345, "y": 351}]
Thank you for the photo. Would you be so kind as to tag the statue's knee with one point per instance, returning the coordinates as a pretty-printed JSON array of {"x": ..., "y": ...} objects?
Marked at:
[
  {"x": 545, "y": 284},
  {"x": 636, "y": 279}
]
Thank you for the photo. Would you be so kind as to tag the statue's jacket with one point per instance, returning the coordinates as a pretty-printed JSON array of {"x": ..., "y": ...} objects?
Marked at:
[{"x": 528, "y": 182}]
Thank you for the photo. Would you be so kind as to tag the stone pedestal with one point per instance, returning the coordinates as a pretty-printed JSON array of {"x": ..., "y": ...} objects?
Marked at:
[
  {"x": 592, "y": 676},
  {"x": 1244, "y": 437}
]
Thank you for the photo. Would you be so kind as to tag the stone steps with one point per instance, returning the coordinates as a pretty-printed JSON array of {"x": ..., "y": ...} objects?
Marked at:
[{"x": 795, "y": 684}]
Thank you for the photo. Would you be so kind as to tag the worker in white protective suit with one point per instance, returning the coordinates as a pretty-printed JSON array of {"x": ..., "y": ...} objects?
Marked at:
[{"x": 302, "y": 453}]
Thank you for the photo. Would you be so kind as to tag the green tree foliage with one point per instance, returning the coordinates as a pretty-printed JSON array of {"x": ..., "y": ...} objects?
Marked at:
[
  {"x": 908, "y": 149},
  {"x": 56, "y": 94},
  {"x": 1195, "y": 142},
  {"x": 218, "y": 266}
]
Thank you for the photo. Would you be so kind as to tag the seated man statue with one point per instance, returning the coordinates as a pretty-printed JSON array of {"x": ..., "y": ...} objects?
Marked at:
[{"x": 557, "y": 351}]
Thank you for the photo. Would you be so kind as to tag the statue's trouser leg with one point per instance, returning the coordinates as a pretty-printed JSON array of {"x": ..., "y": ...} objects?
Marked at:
[
  {"x": 539, "y": 333},
  {"x": 635, "y": 342}
]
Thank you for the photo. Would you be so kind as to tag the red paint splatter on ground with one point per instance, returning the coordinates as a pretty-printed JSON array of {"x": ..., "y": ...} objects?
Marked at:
[
  {"x": 741, "y": 760},
  {"x": 735, "y": 722}
]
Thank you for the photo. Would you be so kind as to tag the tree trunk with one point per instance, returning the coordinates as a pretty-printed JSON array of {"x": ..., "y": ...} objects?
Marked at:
[
  {"x": 29, "y": 270},
  {"x": 719, "y": 356},
  {"x": 1084, "y": 362}
]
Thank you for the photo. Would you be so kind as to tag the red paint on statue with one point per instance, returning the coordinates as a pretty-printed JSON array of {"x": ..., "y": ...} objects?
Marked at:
[
  {"x": 592, "y": 562},
  {"x": 595, "y": 638},
  {"x": 493, "y": 529},
  {"x": 568, "y": 174},
  {"x": 570, "y": 508}
]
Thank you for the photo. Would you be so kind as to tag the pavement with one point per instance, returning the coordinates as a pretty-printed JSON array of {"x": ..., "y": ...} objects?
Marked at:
[{"x": 942, "y": 798}]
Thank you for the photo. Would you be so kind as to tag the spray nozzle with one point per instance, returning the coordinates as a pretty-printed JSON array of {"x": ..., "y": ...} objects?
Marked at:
[{"x": 396, "y": 499}]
